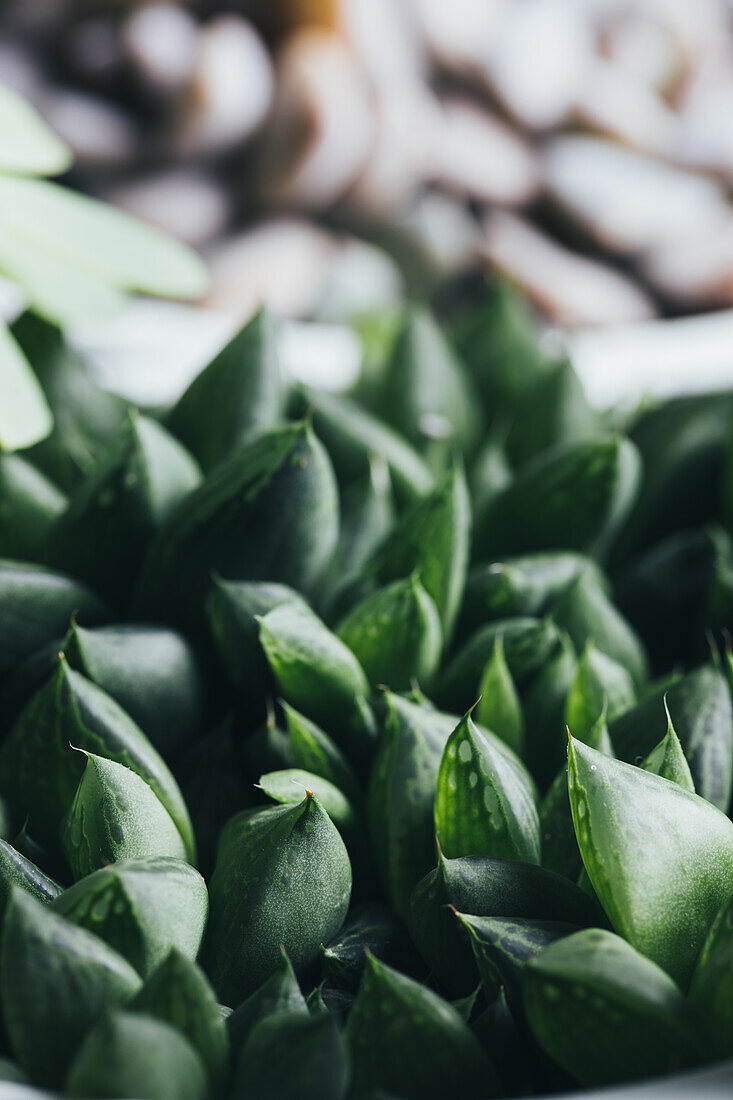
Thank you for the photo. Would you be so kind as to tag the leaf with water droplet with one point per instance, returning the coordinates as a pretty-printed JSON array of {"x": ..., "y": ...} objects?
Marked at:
[
  {"x": 137, "y": 1055},
  {"x": 499, "y": 708},
  {"x": 140, "y": 907},
  {"x": 485, "y": 800},
  {"x": 179, "y": 993},
  {"x": 122, "y": 502},
  {"x": 402, "y": 792},
  {"x": 239, "y": 391},
  {"x": 605, "y": 1013},
  {"x": 396, "y": 635},
  {"x": 668, "y": 760},
  {"x": 55, "y": 980},
  {"x": 426, "y": 1050},
  {"x": 486, "y": 887},
  {"x": 282, "y": 878},
  {"x": 281, "y": 485},
  {"x": 659, "y": 858}
]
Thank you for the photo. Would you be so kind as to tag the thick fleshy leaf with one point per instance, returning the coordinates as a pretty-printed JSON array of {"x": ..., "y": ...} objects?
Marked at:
[
  {"x": 544, "y": 714},
  {"x": 178, "y": 993},
  {"x": 25, "y": 417},
  {"x": 601, "y": 686},
  {"x": 426, "y": 394},
  {"x": 553, "y": 410},
  {"x": 290, "y": 785},
  {"x": 371, "y": 928},
  {"x": 85, "y": 416},
  {"x": 151, "y": 672},
  {"x": 490, "y": 472},
  {"x": 367, "y": 517},
  {"x": 280, "y": 485},
  {"x": 425, "y": 1048},
  {"x": 711, "y": 989},
  {"x": 282, "y": 878},
  {"x": 135, "y": 1055},
  {"x": 29, "y": 505},
  {"x": 502, "y": 947},
  {"x": 574, "y": 498},
  {"x": 121, "y": 504},
  {"x": 99, "y": 239},
  {"x": 18, "y": 871},
  {"x": 528, "y": 645},
  {"x": 660, "y": 858},
  {"x": 116, "y": 816},
  {"x": 239, "y": 391},
  {"x": 293, "y": 1057},
  {"x": 56, "y": 981},
  {"x": 352, "y": 436},
  {"x": 315, "y": 672},
  {"x": 605, "y": 1013},
  {"x": 37, "y": 605},
  {"x": 395, "y": 634},
  {"x": 524, "y": 586},
  {"x": 40, "y": 771},
  {"x": 499, "y": 708},
  {"x": 700, "y": 708},
  {"x": 668, "y": 760},
  {"x": 485, "y": 801},
  {"x": 142, "y": 908},
  {"x": 584, "y": 610},
  {"x": 402, "y": 792},
  {"x": 28, "y": 146},
  {"x": 432, "y": 539},
  {"x": 279, "y": 994},
  {"x": 486, "y": 887}
]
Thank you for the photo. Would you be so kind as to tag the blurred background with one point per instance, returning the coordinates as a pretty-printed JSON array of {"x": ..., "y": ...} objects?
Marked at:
[{"x": 333, "y": 157}]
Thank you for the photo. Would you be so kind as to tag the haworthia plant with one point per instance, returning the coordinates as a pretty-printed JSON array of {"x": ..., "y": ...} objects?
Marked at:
[
  {"x": 294, "y": 1056},
  {"x": 499, "y": 708},
  {"x": 30, "y": 504}
]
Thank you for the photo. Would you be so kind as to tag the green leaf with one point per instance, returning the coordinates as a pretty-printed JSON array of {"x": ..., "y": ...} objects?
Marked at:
[
  {"x": 291, "y": 784},
  {"x": 395, "y": 634},
  {"x": 279, "y": 994},
  {"x": 425, "y": 1048},
  {"x": 279, "y": 485},
  {"x": 528, "y": 645},
  {"x": 40, "y": 771},
  {"x": 27, "y": 145},
  {"x": 142, "y": 908},
  {"x": 282, "y": 878},
  {"x": 25, "y": 417},
  {"x": 135, "y": 1055},
  {"x": 499, "y": 709},
  {"x": 521, "y": 586},
  {"x": 85, "y": 416},
  {"x": 98, "y": 239},
  {"x": 240, "y": 390},
  {"x": 586, "y": 612},
  {"x": 668, "y": 760},
  {"x": 601, "y": 687},
  {"x": 153, "y": 673},
  {"x": 711, "y": 989},
  {"x": 575, "y": 497},
  {"x": 29, "y": 505},
  {"x": 116, "y": 816},
  {"x": 371, "y": 928},
  {"x": 486, "y": 887},
  {"x": 56, "y": 980},
  {"x": 490, "y": 472},
  {"x": 367, "y": 517},
  {"x": 179, "y": 993},
  {"x": 544, "y": 714},
  {"x": 485, "y": 799},
  {"x": 353, "y": 436},
  {"x": 660, "y": 858},
  {"x": 425, "y": 393},
  {"x": 402, "y": 792},
  {"x": 605, "y": 1013},
  {"x": 315, "y": 672},
  {"x": 700, "y": 707},
  {"x": 293, "y": 1057},
  {"x": 37, "y": 604},
  {"x": 121, "y": 504},
  {"x": 553, "y": 410},
  {"x": 503, "y": 946},
  {"x": 18, "y": 872},
  {"x": 308, "y": 747}
]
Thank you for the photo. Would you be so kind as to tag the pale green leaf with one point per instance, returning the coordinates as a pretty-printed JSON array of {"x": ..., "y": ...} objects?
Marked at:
[
  {"x": 27, "y": 145},
  {"x": 25, "y": 417}
]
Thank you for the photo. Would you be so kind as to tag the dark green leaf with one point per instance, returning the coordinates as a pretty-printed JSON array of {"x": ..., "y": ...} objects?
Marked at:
[
  {"x": 293, "y": 1057},
  {"x": 601, "y": 686},
  {"x": 17, "y": 871},
  {"x": 711, "y": 989},
  {"x": 370, "y": 928},
  {"x": 29, "y": 505},
  {"x": 553, "y": 410},
  {"x": 668, "y": 760},
  {"x": 279, "y": 994},
  {"x": 498, "y": 708},
  {"x": 290, "y": 785},
  {"x": 544, "y": 714}
]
